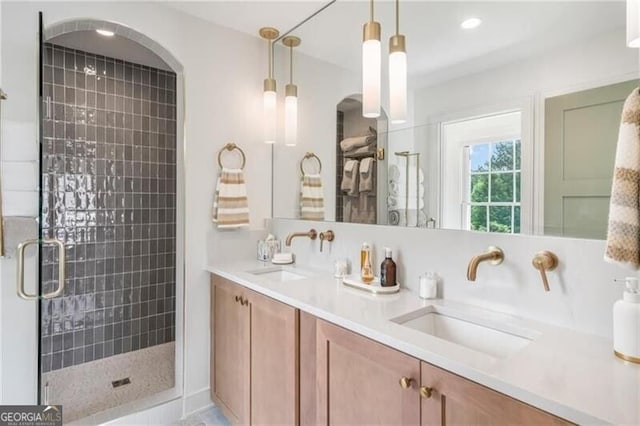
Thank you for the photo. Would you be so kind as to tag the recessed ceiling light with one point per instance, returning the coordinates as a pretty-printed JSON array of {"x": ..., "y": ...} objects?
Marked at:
[
  {"x": 105, "y": 33},
  {"x": 471, "y": 23}
]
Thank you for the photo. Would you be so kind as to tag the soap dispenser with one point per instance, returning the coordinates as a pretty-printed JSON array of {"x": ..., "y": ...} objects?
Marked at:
[{"x": 626, "y": 323}]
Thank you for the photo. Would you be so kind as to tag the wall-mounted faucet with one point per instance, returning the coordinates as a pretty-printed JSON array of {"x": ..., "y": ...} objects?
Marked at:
[
  {"x": 326, "y": 236},
  {"x": 494, "y": 255},
  {"x": 545, "y": 261},
  {"x": 312, "y": 234}
]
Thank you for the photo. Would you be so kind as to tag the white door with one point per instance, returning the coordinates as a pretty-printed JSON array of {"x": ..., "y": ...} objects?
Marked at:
[{"x": 577, "y": 181}]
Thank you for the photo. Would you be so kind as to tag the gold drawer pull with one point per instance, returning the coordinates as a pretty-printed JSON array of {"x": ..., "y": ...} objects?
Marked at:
[
  {"x": 426, "y": 391},
  {"x": 405, "y": 382}
]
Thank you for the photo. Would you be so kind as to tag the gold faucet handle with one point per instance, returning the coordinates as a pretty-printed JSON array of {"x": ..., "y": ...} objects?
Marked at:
[
  {"x": 326, "y": 236},
  {"x": 545, "y": 261}
]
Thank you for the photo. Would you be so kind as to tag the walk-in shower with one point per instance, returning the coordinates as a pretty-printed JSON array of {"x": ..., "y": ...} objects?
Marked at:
[{"x": 110, "y": 193}]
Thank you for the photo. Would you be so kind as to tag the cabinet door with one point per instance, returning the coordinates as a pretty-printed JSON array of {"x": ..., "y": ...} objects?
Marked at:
[
  {"x": 458, "y": 401},
  {"x": 274, "y": 361},
  {"x": 359, "y": 381},
  {"x": 230, "y": 352}
]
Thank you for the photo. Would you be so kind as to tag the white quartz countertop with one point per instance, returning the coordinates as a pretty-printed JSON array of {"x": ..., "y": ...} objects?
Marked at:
[{"x": 572, "y": 375}]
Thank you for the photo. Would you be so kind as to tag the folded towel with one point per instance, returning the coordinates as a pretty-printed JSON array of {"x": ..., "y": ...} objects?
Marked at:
[
  {"x": 350, "y": 178},
  {"x": 230, "y": 206},
  {"x": 362, "y": 151},
  {"x": 400, "y": 176},
  {"x": 356, "y": 142},
  {"x": 366, "y": 175},
  {"x": 623, "y": 234},
  {"x": 311, "y": 198}
]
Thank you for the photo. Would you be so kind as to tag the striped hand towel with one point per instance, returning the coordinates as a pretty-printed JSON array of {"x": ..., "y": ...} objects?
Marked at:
[
  {"x": 311, "y": 198},
  {"x": 230, "y": 207},
  {"x": 623, "y": 234}
]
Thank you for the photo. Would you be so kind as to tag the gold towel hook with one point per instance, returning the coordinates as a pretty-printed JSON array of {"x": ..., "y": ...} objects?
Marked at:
[
  {"x": 230, "y": 147},
  {"x": 307, "y": 156}
]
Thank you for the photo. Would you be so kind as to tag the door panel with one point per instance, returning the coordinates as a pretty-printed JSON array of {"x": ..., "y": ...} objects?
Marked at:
[
  {"x": 458, "y": 401},
  {"x": 274, "y": 362},
  {"x": 358, "y": 381},
  {"x": 230, "y": 328},
  {"x": 577, "y": 181}
]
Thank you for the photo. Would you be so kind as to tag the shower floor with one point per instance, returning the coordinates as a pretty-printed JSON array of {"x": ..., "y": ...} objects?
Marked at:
[{"x": 87, "y": 388}]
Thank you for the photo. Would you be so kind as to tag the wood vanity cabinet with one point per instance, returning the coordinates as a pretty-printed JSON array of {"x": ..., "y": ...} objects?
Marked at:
[
  {"x": 455, "y": 400},
  {"x": 254, "y": 368},
  {"x": 360, "y": 381},
  {"x": 274, "y": 365}
]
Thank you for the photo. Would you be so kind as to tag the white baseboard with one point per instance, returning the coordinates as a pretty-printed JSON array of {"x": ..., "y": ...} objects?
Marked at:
[{"x": 197, "y": 401}]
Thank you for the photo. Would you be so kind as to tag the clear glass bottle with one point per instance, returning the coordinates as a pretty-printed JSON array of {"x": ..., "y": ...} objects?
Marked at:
[
  {"x": 366, "y": 273},
  {"x": 363, "y": 253},
  {"x": 388, "y": 270}
]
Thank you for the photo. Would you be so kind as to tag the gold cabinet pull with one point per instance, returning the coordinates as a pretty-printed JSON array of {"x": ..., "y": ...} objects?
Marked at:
[
  {"x": 545, "y": 261},
  {"x": 238, "y": 298},
  {"x": 426, "y": 392},
  {"x": 244, "y": 302},
  {"x": 405, "y": 382}
]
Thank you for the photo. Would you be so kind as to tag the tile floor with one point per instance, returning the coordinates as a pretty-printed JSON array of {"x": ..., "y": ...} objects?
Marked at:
[{"x": 209, "y": 417}]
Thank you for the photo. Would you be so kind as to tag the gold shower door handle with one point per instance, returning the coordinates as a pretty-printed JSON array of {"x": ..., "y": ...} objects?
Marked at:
[{"x": 61, "y": 269}]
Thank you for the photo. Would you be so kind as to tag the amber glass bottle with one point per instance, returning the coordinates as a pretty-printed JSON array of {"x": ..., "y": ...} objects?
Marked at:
[{"x": 387, "y": 270}]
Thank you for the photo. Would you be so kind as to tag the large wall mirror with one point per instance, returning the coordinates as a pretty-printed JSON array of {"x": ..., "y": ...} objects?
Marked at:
[{"x": 512, "y": 125}]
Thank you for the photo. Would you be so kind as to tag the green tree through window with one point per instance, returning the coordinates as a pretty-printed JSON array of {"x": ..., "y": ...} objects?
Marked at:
[{"x": 494, "y": 186}]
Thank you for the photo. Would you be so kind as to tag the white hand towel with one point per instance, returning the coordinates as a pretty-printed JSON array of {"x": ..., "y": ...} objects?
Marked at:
[
  {"x": 350, "y": 178},
  {"x": 230, "y": 205},
  {"x": 623, "y": 234},
  {"x": 366, "y": 175},
  {"x": 311, "y": 198}
]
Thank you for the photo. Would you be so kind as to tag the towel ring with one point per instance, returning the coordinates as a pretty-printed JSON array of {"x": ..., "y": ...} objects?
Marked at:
[
  {"x": 307, "y": 156},
  {"x": 230, "y": 147}
]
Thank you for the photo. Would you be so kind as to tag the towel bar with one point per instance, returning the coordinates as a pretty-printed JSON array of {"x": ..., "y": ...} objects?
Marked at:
[
  {"x": 307, "y": 156},
  {"x": 230, "y": 147}
]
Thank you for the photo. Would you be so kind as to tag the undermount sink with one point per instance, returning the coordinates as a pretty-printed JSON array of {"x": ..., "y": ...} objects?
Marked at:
[
  {"x": 489, "y": 336},
  {"x": 278, "y": 274}
]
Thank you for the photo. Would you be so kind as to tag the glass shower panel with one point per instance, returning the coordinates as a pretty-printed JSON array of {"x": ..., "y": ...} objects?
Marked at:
[{"x": 108, "y": 185}]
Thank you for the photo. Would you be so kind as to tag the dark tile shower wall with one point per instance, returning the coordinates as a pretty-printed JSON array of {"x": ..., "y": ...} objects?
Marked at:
[{"x": 109, "y": 193}]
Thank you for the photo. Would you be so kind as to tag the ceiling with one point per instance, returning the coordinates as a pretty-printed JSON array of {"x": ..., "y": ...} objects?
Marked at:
[
  {"x": 437, "y": 47},
  {"x": 249, "y": 16},
  {"x": 112, "y": 47}
]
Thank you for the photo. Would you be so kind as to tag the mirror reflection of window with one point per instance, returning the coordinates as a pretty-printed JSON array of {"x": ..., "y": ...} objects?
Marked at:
[
  {"x": 493, "y": 186},
  {"x": 482, "y": 173}
]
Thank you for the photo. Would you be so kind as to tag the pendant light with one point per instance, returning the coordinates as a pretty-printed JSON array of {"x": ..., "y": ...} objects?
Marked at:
[
  {"x": 291, "y": 97},
  {"x": 371, "y": 64},
  {"x": 269, "y": 95},
  {"x": 633, "y": 23},
  {"x": 397, "y": 74}
]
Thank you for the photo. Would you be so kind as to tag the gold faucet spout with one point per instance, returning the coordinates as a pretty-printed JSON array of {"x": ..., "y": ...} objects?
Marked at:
[
  {"x": 312, "y": 234},
  {"x": 494, "y": 255}
]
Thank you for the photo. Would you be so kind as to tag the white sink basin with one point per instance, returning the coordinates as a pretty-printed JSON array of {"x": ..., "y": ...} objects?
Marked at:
[
  {"x": 278, "y": 273},
  {"x": 487, "y": 335}
]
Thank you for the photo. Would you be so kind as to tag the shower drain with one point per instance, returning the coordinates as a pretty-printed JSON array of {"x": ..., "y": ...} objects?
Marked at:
[{"x": 121, "y": 382}]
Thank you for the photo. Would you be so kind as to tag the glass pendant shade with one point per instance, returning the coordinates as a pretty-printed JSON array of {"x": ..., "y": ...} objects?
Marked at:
[
  {"x": 397, "y": 80},
  {"x": 270, "y": 113},
  {"x": 291, "y": 115},
  {"x": 371, "y": 70}
]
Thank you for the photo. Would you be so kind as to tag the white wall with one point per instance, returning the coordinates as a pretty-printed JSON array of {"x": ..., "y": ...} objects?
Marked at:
[
  {"x": 525, "y": 84},
  {"x": 582, "y": 288},
  {"x": 223, "y": 73},
  {"x": 321, "y": 86}
]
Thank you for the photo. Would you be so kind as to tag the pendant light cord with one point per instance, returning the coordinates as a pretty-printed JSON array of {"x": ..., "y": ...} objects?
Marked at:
[
  {"x": 397, "y": 17},
  {"x": 371, "y": 10},
  {"x": 270, "y": 53},
  {"x": 290, "y": 64}
]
